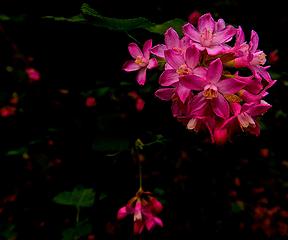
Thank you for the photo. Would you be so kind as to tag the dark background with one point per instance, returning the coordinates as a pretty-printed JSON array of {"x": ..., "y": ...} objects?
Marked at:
[{"x": 197, "y": 178}]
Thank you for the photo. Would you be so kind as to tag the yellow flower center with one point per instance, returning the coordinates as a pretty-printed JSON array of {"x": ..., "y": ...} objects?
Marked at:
[
  {"x": 246, "y": 121},
  {"x": 232, "y": 98},
  {"x": 206, "y": 38},
  {"x": 210, "y": 92},
  {"x": 183, "y": 70},
  {"x": 141, "y": 61},
  {"x": 259, "y": 58}
]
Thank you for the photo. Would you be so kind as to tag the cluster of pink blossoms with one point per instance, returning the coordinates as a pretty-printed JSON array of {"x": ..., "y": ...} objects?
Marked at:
[
  {"x": 204, "y": 77},
  {"x": 144, "y": 208}
]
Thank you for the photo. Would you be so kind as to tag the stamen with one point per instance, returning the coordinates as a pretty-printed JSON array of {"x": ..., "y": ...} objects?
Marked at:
[
  {"x": 210, "y": 92},
  {"x": 183, "y": 70},
  {"x": 141, "y": 61}
]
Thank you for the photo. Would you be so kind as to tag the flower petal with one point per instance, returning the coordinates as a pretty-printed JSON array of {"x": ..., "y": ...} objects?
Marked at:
[
  {"x": 240, "y": 38},
  {"x": 130, "y": 66},
  {"x": 146, "y": 48},
  {"x": 168, "y": 77},
  {"x": 193, "y": 82},
  {"x": 138, "y": 227},
  {"x": 156, "y": 204},
  {"x": 152, "y": 63},
  {"x": 198, "y": 105},
  {"x": 206, "y": 22},
  {"x": 182, "y": 92},
  {"x": 173, "y": 59},
  {"x": 220, "y": 25},
  {"x": 141, "y": 76},
  {"x": 190, "y": 31},
  {"x": 230, "y": 85},
  {"x": 236, "y": 108},
  {"x": 134, "y": 50},
  {"x": 254, "y": 41},
  {"x": 259, "y": 109},
  {"x": 224, "y": 35},
  {"x": 200, "y": 71},
  {"x": 249, "y": 97},
  {"x": 165, "y": 94},
  {"x": 217, "y": 49},
  {"x": 214, "y": 71},
  {"x": 158, "y": 50},
  {"x": 122, "y": 213},
  {"x": 254, "y": 130},
  {"x": 220, "y": 107},
  {"x": 192, "y": 57},
  {"x": 171, "y": 38},
  {"x": 231, "y": 123}
]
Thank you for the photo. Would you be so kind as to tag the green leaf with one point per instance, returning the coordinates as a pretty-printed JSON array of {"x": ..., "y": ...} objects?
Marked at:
[
  {"x": 102, "y": 91},
  {"x": 91, "y": 16},
  {"x": 5, "y": 18},
  {"x": 114, "y": 23},
  {"x": 74, "y": 19},
  {"x": 17, "y": 152},
  {"x": 161, "y": 28},
  {"x": 83, "y": 197},
  {"x": 280, "y": 114},
  {"x": 80, "y": 230}
]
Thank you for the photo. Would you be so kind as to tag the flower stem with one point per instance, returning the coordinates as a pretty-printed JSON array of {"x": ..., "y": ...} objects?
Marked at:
[{"x": 140, "y": 176}]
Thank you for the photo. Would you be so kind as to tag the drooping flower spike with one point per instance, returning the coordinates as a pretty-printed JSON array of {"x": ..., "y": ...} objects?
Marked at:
[{"x": 144, "y": 207}]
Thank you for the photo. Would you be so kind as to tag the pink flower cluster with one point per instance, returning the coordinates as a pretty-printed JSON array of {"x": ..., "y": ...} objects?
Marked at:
[
  {"x": 213, "y": 84},
  {"x": 144, "y": 208}
]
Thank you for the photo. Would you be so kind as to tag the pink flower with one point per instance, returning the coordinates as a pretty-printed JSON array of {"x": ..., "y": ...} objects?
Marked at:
[
  {"x": 212, "y": 90},
  {"x": 210, "y": 35},
  {"x": 90, "y": 101},
  {"x": 245, "y": 117},
  {"x": 140, "y": 103},
  {"x": 143, "y": 207},
  {"x": 33, "y": 74},
  {"x": 273, "y": 57},
  {"x": 7, "y": 111},
  {"x": 173, "y": 42},
  {"x": 181, "y": 66},
  {"x": 253, "y": 58},
  {"x": 142, "y": 61},
  {"x": 193, "y": 17}
]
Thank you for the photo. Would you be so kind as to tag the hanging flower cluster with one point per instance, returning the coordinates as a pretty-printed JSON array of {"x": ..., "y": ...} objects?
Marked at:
[
  {"x": 144, "y": 208},
  {"x": 214, "y": 79}
]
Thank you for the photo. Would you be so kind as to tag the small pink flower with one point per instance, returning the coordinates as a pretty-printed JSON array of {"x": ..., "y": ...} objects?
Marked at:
[
  {"x": 210, "y": 35},
  {"x": 140, "y": 103},
  {"x": 141, "y": 61},
  {"x": 90, "y": 101},
  {"x": 7, "y": 111},
  {"x": 220, "y": 136},
  {"x": 253, "y": 58},
  {"x": 181, "y": 66},
  {"x": 33, "y": 74},
  {"x": 143, "y": 207},
  {"x": 193, "y": 17},
  {"x": 173, "y": 42},
  {"x": 273, "y": 57},
  {"x": 245, "y": 117}
]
